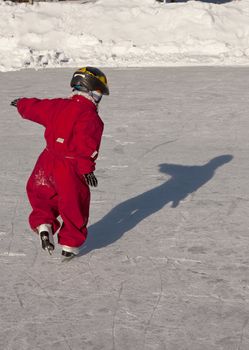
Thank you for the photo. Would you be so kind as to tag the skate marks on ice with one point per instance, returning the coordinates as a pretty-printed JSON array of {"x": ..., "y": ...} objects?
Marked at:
[
  {"x": 184, "y": 181},
  {"x": 131, "y": 320},
  {"x": 10, "y": 234}
]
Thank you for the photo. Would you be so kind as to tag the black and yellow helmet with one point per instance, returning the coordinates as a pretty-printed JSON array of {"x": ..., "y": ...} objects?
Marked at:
[{"x": 90, "y": 79}]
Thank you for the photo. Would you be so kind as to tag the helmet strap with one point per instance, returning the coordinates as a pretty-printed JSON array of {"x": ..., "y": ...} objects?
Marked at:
[{"x": 97, "y": 96}]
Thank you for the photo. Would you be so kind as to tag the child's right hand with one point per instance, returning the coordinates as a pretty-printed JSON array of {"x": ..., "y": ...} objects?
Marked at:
[{"x": 91, "y": 179}]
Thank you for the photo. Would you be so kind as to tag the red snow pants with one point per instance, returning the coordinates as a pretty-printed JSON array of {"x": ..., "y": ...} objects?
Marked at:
[{"x": 54, "y": 189}]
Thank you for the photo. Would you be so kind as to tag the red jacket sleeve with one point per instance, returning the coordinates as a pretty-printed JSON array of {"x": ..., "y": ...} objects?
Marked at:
[
  {"x": 88, "y": 133},
  {"x": 35, "y": 109}
]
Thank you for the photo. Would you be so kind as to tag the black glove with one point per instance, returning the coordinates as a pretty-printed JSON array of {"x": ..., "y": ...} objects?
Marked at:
[
  {"x": 91, "y": 179},
  {"x": 14, "y": 102}
]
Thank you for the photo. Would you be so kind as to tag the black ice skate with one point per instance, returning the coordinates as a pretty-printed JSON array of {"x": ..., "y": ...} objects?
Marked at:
[
  {"x": 46, "y": 243},
  {"x": 46, "y": 236},
  {"x": 69, "y": 253},
  {"x": 66, "y": 256}
]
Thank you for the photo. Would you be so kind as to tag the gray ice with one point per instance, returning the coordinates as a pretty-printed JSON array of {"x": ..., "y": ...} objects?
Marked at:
[{"x": 166, "y": 263}]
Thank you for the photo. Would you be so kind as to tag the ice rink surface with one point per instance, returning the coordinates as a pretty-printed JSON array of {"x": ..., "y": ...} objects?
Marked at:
[{"x": 166, "y": 264}]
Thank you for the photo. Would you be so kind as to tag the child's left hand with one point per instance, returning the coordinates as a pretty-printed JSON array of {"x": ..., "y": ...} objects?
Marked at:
[{"x": 14, "y": 102}]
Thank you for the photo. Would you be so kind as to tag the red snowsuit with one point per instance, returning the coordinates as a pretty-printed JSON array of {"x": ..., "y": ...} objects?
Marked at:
[{"x": 73, "y": 131}]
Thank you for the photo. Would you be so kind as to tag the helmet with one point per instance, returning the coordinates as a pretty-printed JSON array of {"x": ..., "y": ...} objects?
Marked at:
[{"x": 90, "y": 79}]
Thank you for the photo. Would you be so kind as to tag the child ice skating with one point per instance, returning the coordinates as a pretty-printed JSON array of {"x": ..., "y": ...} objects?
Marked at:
[{"x": 59, "y": 183}]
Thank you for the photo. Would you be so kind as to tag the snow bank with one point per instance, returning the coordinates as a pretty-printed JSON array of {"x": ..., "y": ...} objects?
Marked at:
[{"x": 121, "y": 33}]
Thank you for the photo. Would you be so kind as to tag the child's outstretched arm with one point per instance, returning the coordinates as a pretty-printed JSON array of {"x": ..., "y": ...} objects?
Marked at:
[{"x": 34, "y": 109}]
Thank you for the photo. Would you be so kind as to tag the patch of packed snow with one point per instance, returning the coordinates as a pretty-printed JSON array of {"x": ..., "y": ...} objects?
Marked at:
[{"x": 120, "y": 33}]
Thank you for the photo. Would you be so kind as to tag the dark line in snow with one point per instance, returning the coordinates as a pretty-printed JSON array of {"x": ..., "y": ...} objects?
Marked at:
[{"x": 157, "y": 146}]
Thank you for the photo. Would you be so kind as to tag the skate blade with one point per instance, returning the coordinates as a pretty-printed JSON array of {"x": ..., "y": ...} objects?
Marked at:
[
  {"x": 50, "y": 251},
  {"x": 67, "y": 259}
]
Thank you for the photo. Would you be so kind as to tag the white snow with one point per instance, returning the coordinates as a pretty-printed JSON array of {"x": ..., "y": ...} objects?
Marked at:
[{"x": 121, "y": 33}]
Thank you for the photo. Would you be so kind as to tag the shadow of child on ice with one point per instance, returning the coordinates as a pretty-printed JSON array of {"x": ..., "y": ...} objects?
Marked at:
[{"x": 126, "y": 215}]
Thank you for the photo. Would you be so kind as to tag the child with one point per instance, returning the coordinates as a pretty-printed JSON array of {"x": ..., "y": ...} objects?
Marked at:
[{"x": 59, "y": 183}]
